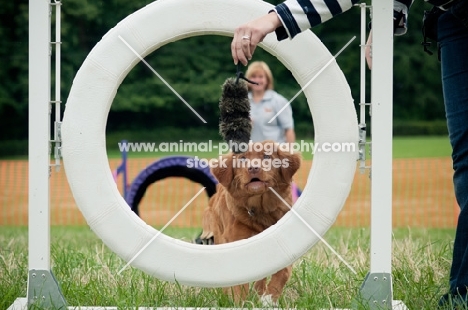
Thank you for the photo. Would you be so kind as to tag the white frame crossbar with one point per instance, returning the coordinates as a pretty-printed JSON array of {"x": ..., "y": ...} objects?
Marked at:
[{"x": 42, "y": 286}]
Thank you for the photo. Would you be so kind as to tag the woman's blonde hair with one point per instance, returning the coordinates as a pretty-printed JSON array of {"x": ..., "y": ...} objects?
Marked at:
[{"x": 257, "y": 66}]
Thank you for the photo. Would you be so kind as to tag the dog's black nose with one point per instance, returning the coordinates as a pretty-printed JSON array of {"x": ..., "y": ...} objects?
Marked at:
[{"x": 254, "y": 169}]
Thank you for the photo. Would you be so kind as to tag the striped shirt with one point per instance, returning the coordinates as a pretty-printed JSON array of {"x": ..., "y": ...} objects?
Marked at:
[{"x": 299, "y": 15}]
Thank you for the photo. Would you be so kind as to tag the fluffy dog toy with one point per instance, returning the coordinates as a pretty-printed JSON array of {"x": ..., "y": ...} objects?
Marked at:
[
  {"x": 234, "y": 121},
  {"x": 235, "y": 124}
]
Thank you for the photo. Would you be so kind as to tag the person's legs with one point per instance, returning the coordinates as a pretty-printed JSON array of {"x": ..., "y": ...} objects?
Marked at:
[{"x": 453, "y": 43}]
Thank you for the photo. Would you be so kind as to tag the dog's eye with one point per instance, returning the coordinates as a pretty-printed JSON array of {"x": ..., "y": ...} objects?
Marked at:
[
  {"x": 242, "y": 158},
  {"x": 266, "y": 156}
]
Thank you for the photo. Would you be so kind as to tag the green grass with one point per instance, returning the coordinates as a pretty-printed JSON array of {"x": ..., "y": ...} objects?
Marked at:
[
  {"x": 87, "y": 271},
  {"x": 421, "y": 147},
  {"x": 403, "y": 147}
]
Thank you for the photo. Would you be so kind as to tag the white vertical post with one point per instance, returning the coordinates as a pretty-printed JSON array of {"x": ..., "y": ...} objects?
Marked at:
[
  {"x": 377, "y": 288},
  {"x": 39, "y": 131},
  {"x": 382, "y": 132},
  {"x": 43, "y": 290}
]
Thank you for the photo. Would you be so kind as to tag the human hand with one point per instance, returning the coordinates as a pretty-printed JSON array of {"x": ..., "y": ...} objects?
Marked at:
[
  {"x": 247, "y": 36},
  {"x": 369, "y": 51}
]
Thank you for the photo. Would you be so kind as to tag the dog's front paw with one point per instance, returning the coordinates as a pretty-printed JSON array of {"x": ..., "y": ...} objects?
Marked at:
[
  {"x": 205, "y": 238},
  {"x": 267, "y": 301}
]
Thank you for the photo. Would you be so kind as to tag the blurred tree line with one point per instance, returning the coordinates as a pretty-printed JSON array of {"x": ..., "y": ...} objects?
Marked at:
[{"x": 196, "y": 68}]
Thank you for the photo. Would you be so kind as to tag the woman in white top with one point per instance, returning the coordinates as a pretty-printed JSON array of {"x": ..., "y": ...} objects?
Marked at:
[{"x": 265, "y": 103}]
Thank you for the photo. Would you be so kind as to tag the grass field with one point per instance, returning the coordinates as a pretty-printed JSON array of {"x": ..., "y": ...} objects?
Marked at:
[
  {"x": 87, "y": 271},
  {"x": 421, "y": 147}
]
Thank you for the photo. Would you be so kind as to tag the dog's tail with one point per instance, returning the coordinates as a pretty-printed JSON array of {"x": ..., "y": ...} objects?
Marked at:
[{"x": 235, "y": 124}]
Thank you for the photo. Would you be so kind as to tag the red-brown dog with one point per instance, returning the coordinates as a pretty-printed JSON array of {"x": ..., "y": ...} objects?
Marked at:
[{"x": 244, "y": 205}]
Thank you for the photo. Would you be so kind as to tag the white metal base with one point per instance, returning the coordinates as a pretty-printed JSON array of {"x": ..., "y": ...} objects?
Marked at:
[{"x": 22, "y": 304}]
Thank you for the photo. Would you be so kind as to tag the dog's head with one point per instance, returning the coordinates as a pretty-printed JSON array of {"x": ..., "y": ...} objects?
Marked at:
[{"x": 263, "y": 165}]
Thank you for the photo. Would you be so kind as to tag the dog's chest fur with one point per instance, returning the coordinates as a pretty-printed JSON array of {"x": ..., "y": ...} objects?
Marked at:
[{"x": 258, "y": 212}]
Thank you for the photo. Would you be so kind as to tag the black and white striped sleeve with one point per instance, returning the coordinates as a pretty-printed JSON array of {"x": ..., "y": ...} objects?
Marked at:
[{"x": 299, "y": 15}]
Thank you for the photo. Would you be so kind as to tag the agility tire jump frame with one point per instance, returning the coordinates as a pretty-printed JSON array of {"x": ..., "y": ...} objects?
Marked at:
[{"x": 107, "y": 213}]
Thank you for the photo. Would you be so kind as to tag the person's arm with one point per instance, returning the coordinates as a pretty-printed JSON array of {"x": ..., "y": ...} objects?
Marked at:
[
  {"x": 368, "y": 50},
  {"x": 290, "y": 135},
  {"x": 292, "y": 17},
  {"x": 247, "y": 36},
  {"x": 288, "y": 19},
  {"x": 400, "y": 17},
  {"x": 297, "y": 16}
]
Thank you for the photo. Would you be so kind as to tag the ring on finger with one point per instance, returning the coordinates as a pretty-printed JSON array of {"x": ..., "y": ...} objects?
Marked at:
[{"x": 246, "y": 37}]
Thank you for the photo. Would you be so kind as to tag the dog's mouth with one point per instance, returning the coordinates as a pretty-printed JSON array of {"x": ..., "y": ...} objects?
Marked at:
[
  {"x": 253, "y": 180},
  {"x": 256, "y": 184}
]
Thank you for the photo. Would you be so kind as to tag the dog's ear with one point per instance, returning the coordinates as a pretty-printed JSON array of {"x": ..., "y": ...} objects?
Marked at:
[
  {"x": 222, "y": 170},
  {"x": 291, "y": 162}
]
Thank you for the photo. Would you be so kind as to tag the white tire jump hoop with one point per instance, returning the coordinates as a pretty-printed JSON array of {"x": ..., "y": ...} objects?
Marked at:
[{"x": 96, "y": 193}]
